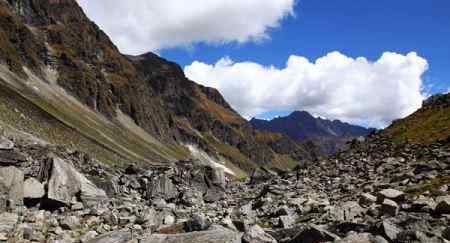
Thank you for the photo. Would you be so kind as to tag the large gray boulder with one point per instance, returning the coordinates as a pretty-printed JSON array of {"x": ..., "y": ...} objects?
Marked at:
[
  {"x": 66, "y": 182},
  {"x": 33, "y": 189},
  {"x": 348, "y": 212},
  {"x": 162, "y": 187},
  {"x": 11, "y": 187},
  {"x": 215, "y": 234}
]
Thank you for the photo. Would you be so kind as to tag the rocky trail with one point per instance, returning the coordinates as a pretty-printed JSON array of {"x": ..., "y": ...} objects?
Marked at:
[{"x": 374, "y": 192}]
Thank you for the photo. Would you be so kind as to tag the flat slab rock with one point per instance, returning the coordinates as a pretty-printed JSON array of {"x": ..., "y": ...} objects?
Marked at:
[
  {"x": 216, "y": 234},
  {"x": 11, "y": 157}
]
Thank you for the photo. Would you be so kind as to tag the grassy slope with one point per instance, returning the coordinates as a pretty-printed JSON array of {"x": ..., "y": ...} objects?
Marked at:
[
  {"x": 424, "y": 126},
  {"x": 61, "y": 119}
]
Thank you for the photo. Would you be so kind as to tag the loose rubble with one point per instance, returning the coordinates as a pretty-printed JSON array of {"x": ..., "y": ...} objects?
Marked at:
[{"x": 374, "y": 192}]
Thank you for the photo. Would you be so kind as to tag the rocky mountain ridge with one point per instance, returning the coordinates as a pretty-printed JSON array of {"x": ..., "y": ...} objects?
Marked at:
[
  {"x": 54, "y": 57},
  {"x": 301, "y": 126}
]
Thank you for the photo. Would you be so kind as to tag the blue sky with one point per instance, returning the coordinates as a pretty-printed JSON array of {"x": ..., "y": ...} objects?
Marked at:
[
  {"x": 261, "y": 54},
  {"x": 354, "y": 27}
]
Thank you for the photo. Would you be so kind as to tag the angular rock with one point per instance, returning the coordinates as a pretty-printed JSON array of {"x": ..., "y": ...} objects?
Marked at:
[
  {"x": 11, "y": 157},
  {"x": 314, "y": 234},
  {"x": 216, "y": 234},
  {"x": 6, "y": 144},
  {"x": 367, "y": 199},
  {"x": 162, "y": 187},
  {"x": 214, "y": 194},
  {"x": 191, "y": 198},
  {"x": 196, "y": 223},
  {"x": 286, "y": 221},
  {"x": 390, "y": 229},
  {"x": 443, "y": 205},
  {"x": 362, "y": 238},
  {"x": 348, "y": 212},
  {"x": 66, "y": 182},
  {"x": 389, "y": 207},
  {"x": 423, "y": 204},
  {"x": 391, "y": 194},
  {"x": 11, "y": 187},
  {"x": 33, "y": 189},
  {"x": 256, "y": 234}
]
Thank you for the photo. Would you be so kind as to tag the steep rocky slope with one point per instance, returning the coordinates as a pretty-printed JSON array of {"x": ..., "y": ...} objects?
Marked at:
[
  {"x": 140, "y": 108},
  {"x": 301, "y": 126},
  {"x": 429, "y": 124}
]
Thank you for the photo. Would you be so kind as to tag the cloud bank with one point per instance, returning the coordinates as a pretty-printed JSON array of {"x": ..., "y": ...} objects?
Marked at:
[
  {"x": 140, "y": 26},
  {"x": 334, "y": 86}
]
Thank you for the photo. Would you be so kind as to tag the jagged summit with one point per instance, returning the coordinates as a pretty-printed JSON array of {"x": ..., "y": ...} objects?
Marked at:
[{"x": 302, "y": 126}]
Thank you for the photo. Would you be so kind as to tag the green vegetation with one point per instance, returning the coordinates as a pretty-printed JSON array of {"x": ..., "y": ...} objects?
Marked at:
[
  {"x": 424, "y": 126},
  {"x": 432, "y": 186}
]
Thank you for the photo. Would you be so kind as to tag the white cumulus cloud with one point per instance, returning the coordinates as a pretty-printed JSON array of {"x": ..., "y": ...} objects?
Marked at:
[
  {"x": 140, "y": 26},
  {"x": 334, "y": 86}
]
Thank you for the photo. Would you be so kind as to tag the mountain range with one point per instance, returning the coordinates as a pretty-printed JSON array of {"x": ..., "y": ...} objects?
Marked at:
[
  {"x": 301, "y": 126},
  {"x": 66, "y": 79}
]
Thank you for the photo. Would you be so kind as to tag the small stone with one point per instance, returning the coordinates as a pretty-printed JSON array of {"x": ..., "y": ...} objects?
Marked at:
[
  {"x": 77, "y": 206},
  {"x": 197, "y": 223},
  {"x": 389, "y": 207},
  {"x": 6, "y": 144},
  {"x": 169, "y": 219},
  {"x": 443, "y": 205},
  {"x": 367, "y": 199},
  {"x": 256, "y": 234}
]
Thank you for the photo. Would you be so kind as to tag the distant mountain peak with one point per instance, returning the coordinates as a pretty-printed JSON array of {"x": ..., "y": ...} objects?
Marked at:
[{"x": 301, "y": 126}]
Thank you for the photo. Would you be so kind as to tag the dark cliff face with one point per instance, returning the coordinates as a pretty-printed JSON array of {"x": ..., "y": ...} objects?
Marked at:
[
  {"x": 56, "y": 34},
  {"x": 302, "y": 126}
]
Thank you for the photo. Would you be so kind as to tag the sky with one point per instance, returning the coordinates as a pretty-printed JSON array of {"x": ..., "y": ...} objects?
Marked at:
[{"x": 361, "y": 61}]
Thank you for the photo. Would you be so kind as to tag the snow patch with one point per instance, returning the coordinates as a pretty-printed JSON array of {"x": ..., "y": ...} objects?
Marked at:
[{"x": 204, "y": 158}]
